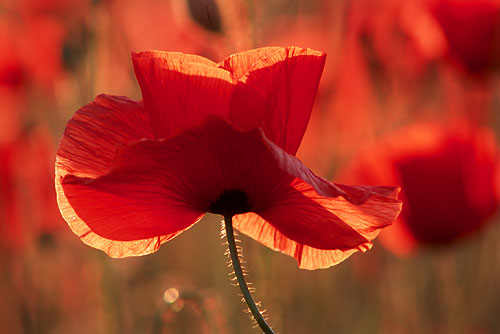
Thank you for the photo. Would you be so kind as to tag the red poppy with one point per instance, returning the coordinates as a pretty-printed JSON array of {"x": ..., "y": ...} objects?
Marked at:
[
  {"x": 472, "y": 29},
  {"x": 27, "y": 202},
  {"x": 31, "y": 51},
  {"x": 387, "y": 28},
  {"x": 10, "y": 227},
  {"x": 448, "y": 180},
  {"x": 219, "y": 138}
]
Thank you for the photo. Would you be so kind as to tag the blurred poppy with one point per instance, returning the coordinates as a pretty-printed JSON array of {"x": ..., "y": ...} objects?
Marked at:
[
  {"x": 376, "y": 87},
  {"x": 472, "y": 30},
  {"x": 217, "y": 138},
  {"x": 389, "y": 27},
  {"x": 34, "y": 169},
  {"x": 41, "y": 49},
  {"x": 12, "y": 78},
  {"x": 11, "y": 231},
  {"x": 27, "y": 200},
  {"x": 31, "y": 51},
  {"x": 447, "y": 174}
]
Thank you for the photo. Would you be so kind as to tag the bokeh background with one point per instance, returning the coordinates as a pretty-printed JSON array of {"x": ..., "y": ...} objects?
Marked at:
[{"x": 391, "y": 65}]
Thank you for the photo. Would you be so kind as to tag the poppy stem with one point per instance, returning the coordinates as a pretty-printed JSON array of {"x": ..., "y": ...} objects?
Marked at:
[{"x": 233, "y": 252}]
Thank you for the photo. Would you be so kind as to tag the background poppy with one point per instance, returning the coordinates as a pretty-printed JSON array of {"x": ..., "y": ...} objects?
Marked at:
[{"x": 448, "y": 174}]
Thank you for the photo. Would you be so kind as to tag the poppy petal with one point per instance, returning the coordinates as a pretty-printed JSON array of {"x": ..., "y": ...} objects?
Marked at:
[
  {"x": 247, "y": 87},
  {"x": 355, "y": 195},
  {"x": 87, "y": 149},
  {"x": 109, "y": 246},
  {"x": 124, "y": 206},
  {"x": 241, "y": 63},
  {"x": 320, "y": 231},
  {"x": 91, "y": 136},
  {"x": 277, "y": 93},
  {"x": 181, "y": 90},
  {"x": 307, "y": 257},
  {"x": 161, "y": 187}
]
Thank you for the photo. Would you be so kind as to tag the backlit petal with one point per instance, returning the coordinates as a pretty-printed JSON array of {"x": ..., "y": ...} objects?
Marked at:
[
  {"x": 128, "y": 206},
  {"x": 320, "y": 231},
  {"x": 90, "y": 139},
  {"x": 277, "y": 91},
  {"x": 271, "y": 88},
  {"x": 241, "y": 63},
  {"x": 307, "y": 257},
  {"x": 180, "y": 90},
  {"x": 87, "y": 149},
  {"x": 160, "y": 187}
]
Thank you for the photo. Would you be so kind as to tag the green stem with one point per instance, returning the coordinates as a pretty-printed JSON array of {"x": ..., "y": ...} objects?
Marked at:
[{"x": 228, "y": 222}]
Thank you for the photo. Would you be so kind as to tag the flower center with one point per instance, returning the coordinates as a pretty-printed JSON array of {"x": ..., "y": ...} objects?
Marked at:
[{"x": 230, "y": 202}]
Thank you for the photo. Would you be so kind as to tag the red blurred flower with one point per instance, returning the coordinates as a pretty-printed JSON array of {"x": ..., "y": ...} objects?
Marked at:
[
  {"x": 448, "y": 180},
  {"x": 472, "y": 29},
  {"x": 27, "y": 201},
  {"x": 217, "y": 138},
  {"x": 31, "y": 51},
  {"x": 422, "y": 31},
  {"x": 387, "y": 28},
  {"x": 11, "y": 231}
]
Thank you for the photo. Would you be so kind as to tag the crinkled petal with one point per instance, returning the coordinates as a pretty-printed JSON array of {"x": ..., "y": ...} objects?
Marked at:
[
  {"x": 161, "y": 187},
  {"x": 356, "y": 195},
  {"x": 90, "y": 139},
  {"x": 127, "y": 206},
  {"x": 307, "y": 257},
  {"x": 271, "y": 88},
  {"x": 180, "y": 90},
  {"x": 87, "y": 149},
  {"x": 321, "y": 231},
  {"x": 277, "y": 93},
  {"x": 241, "y": 63}
]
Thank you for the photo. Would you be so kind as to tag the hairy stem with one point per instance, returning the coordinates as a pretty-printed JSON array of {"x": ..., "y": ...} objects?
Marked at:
[{"x": 228, "y": 222}]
